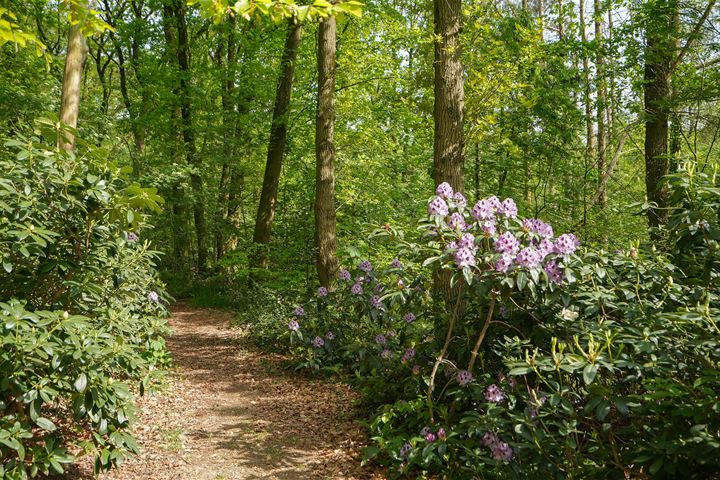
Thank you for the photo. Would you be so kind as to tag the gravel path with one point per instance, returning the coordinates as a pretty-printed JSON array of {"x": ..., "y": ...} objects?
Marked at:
[{"x": 231, "y": 412}]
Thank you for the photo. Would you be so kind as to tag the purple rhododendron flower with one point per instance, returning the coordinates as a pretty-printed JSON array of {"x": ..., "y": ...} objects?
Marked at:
[
  {"x": 400, "y": 283},
  {"x": 329, "y": 336},
  {"x": 468, "y": 241},
  {"x": 489, "y": 228},
  {"x": 322, "y": 292},
  {"x": 444, "y": 190},
  {"x": 538, "y": 227},
  {"x": 464, "y": 257},
  {"x": 507, "y": 243},
  {"x": 495, "y": 203},
  {"x": 360, "y": 279},
  {"x": 132, "y": 237},
  {"x": 409, "y": 317},
  {"x": 504, "y": 311},
  {"x": 396, "y": 264},
  {"x": 405, "y": 450},
  {"x": 460, "y": 200},
  {"x": 566, "y": 244},
  {"x": 416, "y": 369},
  {"x": 438, "y": 207},
  {"x": 430, "y": 437},
  {"x": 512, "y": 383},
  {"x": 441, "y": 433},
  {"x": 457, "y": 221},
  {"x": 451, "y": 246},
  {"x": 545, "y": 247},
  {"x": 356, "y": 289},
  {"x": 365, "y": 266},
  {"x": 504, "y": 263},
  {"x": 380, "y": 339},
  {"x": 501, "y": 451},
  {"x": 408, "y": 355},
  {"x": 528, "y": 257},
  {"x": 294, "y": 325},
  {"x": 494, "y": 394},
  {"x": 386, "y": 354},
  {"x": 318, "y": 342},
  {"x": 153, "y": 297},
  {"x": 299, "y": 312},
  {"x": 489, "y": 439},
  {"x": 464, "y": 377},
  {"x": 554, "y": 272},
  {"x": 509, "y": 209},
  {"x": 344, "y": 275},
  {"x": 483, "y": 210},
  {"x": 425, "y": 430}
]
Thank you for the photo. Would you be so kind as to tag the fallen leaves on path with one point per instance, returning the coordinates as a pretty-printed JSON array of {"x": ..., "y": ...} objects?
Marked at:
[{"x": 231, "y": 412}]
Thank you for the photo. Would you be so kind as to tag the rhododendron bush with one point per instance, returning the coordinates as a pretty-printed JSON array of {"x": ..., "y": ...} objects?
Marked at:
[{"x": 497, "y": 349}]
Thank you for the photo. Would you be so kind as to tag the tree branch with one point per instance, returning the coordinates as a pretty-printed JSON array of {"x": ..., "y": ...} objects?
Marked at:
[{"x": 693, "y": 36}]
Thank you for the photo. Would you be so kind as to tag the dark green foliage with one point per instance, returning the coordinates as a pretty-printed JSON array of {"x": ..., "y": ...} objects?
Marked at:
[{"x": 80, "y": 319}]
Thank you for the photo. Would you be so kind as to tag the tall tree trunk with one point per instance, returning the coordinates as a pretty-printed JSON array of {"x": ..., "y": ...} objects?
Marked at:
[
  {"x": 325, "y": 235},
  {"x": 276, "y": 149},
  {"x": 449, "y": 139},
  {"x": 229, "y": 131},
  {"x": 601, "y": 100},
  {"x": 586, "y": 94},
  {"x": 191, "y": 154},
  {"x": 181, "y": 241},
  {"x": 72, "y": 82},
  {"x": 449, "y": 142},
  {"x": 659, "y": 55}
]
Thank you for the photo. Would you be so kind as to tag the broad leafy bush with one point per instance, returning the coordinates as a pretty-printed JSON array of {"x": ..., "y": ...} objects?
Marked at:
[
  {"x": 530, "y": 358},
  {"x": 80, "y": 311}
]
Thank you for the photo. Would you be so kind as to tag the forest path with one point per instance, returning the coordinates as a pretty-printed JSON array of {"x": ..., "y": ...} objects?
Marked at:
[{"x": 231, "y": 412}]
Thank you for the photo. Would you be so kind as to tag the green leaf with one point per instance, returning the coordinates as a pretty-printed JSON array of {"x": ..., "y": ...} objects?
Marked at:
[
  {"x": 45, "y": 424},
  {"x": 81, "y": 383},
  {"x": 589, "y": 373}
]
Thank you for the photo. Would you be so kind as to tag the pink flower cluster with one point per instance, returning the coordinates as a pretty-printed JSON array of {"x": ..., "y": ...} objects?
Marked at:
[{"x": 516, "y": 243}]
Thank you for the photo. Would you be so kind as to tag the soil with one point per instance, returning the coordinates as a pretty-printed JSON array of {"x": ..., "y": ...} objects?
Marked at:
[{"x": 231, "y": 412}]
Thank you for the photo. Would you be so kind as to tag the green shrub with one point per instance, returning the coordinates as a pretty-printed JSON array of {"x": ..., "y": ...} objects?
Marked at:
[{"x": 80, "y": 306}]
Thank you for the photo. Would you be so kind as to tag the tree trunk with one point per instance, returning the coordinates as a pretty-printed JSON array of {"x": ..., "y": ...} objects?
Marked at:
[
  {"x": 229, "y": 130},
  {"x": 72, "y": 83},
  {"x": 449, "y": 140},
  {"x": 449, "y": 96},
  {"x": 659, "y": 53},
  {"x": 586, "y": 94},
  {"x": 601, "y": 101},
  {"x": 325, "y": 235},
  {"x": 191, "y": 154},
  {"x": 276, "y": 149}
]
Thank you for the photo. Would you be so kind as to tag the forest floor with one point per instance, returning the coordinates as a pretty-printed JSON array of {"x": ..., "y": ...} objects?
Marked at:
[{"x": 231, "y": 412}]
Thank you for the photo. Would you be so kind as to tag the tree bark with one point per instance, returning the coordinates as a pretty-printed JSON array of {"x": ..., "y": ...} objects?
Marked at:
[
  {"x": 325, "y": 234},
  {"x": 586, "y": 94},
  {"x": 72, "y": 83},
  {"x": 191, "y": 154},
  {"x": 659, "y": 55},
  {"x": 276, "y": 148},
  {"x": 601, "y": 101},
  {"x": 449, "y": 142},
  {"x": 229, "y": 138}
]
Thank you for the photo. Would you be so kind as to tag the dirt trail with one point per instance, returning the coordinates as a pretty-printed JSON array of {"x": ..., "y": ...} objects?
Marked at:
[{"x": 232, "y": 412}]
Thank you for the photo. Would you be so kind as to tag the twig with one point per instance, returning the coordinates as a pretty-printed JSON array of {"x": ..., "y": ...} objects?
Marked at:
[
  {"x": 481, "y": 337},
  {"x": 441, "y": 355}
]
